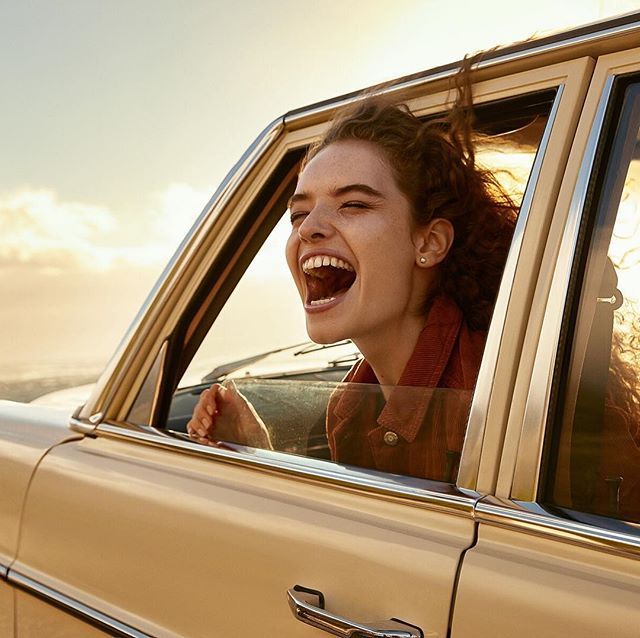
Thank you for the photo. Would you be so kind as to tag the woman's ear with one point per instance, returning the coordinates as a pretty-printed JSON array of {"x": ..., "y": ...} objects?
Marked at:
[{"x": 432, "y": 242}]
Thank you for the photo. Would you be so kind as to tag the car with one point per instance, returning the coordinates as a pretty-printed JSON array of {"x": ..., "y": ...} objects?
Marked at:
[{"x": 115, "y": 522}]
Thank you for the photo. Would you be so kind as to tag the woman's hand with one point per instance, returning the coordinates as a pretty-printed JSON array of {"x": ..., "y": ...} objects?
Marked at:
[{"x": 223, "y": 413}]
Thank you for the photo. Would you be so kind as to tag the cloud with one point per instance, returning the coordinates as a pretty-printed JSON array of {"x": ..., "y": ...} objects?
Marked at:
[
  {"x": 38, "y": 231},
  {"x": 177, "y": 209}
]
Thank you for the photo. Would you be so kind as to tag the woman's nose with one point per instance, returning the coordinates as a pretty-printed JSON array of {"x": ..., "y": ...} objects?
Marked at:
[{"x": 316, "y": 225}]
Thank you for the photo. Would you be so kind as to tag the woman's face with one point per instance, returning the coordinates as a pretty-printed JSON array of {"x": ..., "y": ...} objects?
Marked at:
[{"x": 352, "y": 249}]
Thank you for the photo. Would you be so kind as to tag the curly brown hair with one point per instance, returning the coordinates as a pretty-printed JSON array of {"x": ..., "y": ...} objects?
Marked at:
[{"x": 434, "y": 165}]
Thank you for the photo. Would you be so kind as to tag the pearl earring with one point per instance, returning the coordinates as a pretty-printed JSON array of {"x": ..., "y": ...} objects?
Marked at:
[{"x": 423, "y": 260}]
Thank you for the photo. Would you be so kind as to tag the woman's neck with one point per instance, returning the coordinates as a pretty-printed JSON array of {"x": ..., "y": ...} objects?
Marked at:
[{"x": 388, "y": 354}]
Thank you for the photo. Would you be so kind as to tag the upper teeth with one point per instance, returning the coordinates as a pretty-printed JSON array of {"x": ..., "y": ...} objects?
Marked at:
[{"x": 324, "y": 260}]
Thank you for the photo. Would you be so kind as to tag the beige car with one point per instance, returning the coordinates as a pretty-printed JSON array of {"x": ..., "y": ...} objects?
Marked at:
[{"x": 117, "y": 524}]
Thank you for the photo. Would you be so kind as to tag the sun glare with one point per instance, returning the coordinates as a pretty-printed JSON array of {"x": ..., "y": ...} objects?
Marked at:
[{"x": 415, "y": 45}]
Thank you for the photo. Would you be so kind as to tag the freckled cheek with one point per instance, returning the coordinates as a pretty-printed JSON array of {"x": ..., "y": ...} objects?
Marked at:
[
  {"x": 389, "y": 247},
  {"x": 390, "y": 264}
]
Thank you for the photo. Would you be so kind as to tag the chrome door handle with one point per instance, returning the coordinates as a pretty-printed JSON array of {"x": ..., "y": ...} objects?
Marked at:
[{"x": 307, "y": 605}]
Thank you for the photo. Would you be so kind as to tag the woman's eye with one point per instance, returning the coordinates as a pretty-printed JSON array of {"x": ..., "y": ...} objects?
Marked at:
[
  {"x": 297, "y": 217},
  {"x": 352, "y": 204}
]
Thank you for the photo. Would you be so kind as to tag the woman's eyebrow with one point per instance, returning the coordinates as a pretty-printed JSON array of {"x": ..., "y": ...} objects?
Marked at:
[
  {"x": 337, "y": 192},
  {"x": 361, "y": 188},
  {"x": 296, "y": 197}
]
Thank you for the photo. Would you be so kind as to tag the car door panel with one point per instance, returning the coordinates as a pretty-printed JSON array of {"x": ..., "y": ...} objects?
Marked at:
[
  {"x": 545, "y": 587},
  {"x": 6, "y": 609},
  {"x": 212, "y": 547},
  {"x": 26, "y": 433}
]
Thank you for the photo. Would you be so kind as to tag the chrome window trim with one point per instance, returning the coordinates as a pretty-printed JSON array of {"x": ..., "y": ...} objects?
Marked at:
[
  {"x": 513, "y": 53},
  {"x": 477, "y": 424},
  {"x": 83, "y": 427},
  {"x": 429, "y": 494},
  {"x": 531, "y": 518},
  {"x": 527, "y": 469},
  {"x": 74, "y": 607}
]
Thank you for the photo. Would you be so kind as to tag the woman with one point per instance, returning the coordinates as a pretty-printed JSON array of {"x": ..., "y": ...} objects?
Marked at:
[{"x": 398, "y": 242}]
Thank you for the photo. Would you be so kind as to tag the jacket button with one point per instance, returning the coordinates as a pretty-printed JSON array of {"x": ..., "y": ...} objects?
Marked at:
[{"x": 390, "y": 438}]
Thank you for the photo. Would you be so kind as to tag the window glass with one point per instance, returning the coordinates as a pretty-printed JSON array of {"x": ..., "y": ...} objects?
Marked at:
[
  {"x": 595, "y": 466},
  {"x": 259, "y": 351}
]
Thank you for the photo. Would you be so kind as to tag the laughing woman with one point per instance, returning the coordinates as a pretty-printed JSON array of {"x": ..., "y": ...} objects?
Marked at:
[{"x": 398, "y": 241}]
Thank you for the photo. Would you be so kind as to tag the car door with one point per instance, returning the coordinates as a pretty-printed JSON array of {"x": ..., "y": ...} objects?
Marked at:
[
  {"x": 137, "y": 531},
  {"x": 558, "y": 544}
]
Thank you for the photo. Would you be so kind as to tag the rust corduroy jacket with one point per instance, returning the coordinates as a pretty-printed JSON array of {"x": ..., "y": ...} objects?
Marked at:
[{"x": 420, "y": 429}]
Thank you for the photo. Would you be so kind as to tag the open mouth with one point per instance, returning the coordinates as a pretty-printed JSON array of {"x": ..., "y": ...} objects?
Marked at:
[{"x": 327, "y": 278}]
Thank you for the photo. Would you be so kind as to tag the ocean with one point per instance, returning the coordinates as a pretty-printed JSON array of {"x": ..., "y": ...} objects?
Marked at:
[{"x": 26, "y": 383}]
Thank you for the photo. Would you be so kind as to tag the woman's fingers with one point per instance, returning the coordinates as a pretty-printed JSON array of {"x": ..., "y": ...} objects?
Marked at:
[
  {"x": 202, "y": 422},
  {"x": 250, "y": 429},
  {"x": 224, "y": 413}
]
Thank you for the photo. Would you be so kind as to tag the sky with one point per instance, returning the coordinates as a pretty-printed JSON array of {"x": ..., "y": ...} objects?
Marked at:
[{"x": 119, "y": 118}]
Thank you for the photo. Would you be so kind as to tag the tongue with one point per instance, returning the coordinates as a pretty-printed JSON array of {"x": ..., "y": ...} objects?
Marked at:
[
  {"x": 316, "y": 288},
  {"x": 327, "y": 282}
]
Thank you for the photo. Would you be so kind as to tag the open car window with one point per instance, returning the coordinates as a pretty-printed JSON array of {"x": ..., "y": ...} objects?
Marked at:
[{"x": 256, "y": 342}]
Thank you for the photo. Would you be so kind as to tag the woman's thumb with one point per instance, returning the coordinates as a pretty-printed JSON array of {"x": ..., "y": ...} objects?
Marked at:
[{"x": 230, "y": 392}]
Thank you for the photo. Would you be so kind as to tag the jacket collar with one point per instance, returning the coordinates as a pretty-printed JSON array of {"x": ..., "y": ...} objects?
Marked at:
[{"x": 405, "y": 409}]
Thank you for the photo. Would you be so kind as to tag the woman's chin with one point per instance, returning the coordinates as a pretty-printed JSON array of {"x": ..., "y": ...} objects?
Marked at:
[
  {"x": 324, "y": 331},
  {"x": 329, "y": 321}
]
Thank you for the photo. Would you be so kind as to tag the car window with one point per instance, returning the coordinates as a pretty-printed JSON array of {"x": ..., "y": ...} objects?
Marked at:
[
  {"x": 257, "y": 348},
  {"x": 593, "y": 463}
]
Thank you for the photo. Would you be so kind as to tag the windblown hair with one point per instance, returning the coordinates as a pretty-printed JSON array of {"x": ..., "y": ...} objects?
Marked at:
[
  {"x": 434, "y": 166},
  {"x": 623, "y": 388}
]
